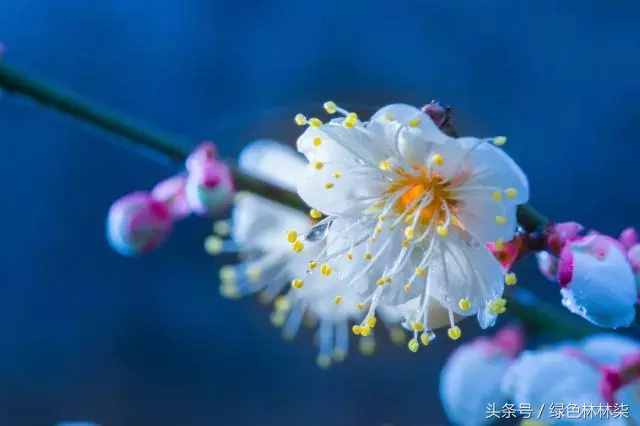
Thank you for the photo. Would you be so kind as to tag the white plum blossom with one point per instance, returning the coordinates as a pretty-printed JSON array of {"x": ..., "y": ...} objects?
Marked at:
[
  {"x": 261, "y": 233},
  {"x": 412, "y": 209},
  {"x": 471, "y": 379}
]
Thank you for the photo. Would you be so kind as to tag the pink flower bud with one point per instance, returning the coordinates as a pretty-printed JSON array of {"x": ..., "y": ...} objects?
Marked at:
[
  {"x": 209, "y": 188},
  {"x": 172, "y": 192},
  {"x": 559, "y": 234},
  {"x": 628, "y": 238},
  {"x": 597, "y": 281},
  {"x": 137, "y": 223},
  {"x": 438, "y": 113}
]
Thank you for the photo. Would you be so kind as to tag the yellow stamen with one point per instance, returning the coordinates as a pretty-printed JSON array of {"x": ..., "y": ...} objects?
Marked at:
[
  {"x": 384, "y": 165},
  {"x": 425, "y": 339},
  {"x": 318, "y": 165},
  {"x": 292, "y": 236},
  {"x": 350, "y": 120},
  {"x": 282, "y": 304},
  {"x": 372, "y": 321},
  {"x": 415, "y": 122},
  {"x": 421, "y": 272},
  {"x": 413, "y": 345},
  {"x": 337, "y": 174},
  {"x": 227, "y": 273},
  {"x": 213, "y": 245},
  {"x": 511, "y": 193},
  {"x": 317, "y": 142},
  {"x": 330, "y": 107},
  {"x": 501, "y": 220},
  {"x": 297, "y": 283},
  {"x": 442, "y": 230},
  {"x": 498, "y": 306},
  {"x": 368, "y": 256},
  {"x": 510, "y": 279},
  {"x": 325, "y": 269},
  {"x": 499, "y": 244},
  {"x": 417, "y": 326},
  {"x": 315, "y": 122},
  {"x": 328, "y": 185},
  {"x": 365, "y": 330},
  {"x": 312, "y": 264},
  {"x": 409, "y": 233},
  {"x": 437, "y": 159},
  {"x": 221, "y": 227},
  {"x": 315, "y": 214},
  {"x": 496, "y": 195},
  {"x": 464, "y": 304},
  {"x": 499, "y": 140},
  {"x": 338, "y": 300},
  {"x": 300, "y": 119},
  {"x": 407, "y": 287},
  {"x": 454, "y": 332},
  {"x": 298, "y": 246},
  {"x": 356, "y": 330}
]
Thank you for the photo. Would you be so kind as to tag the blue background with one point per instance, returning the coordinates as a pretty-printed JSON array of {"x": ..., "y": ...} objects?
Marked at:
[{"x": 86, "y": 334}]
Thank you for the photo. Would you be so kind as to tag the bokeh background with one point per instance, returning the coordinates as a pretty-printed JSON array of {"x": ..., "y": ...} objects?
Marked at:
[{"x": 87, "y": 334}]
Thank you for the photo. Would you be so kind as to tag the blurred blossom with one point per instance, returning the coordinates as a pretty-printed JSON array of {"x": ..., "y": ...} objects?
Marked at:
[
  {"x": 137, "y": 223},
  {"x": 261, "y": 231},
  {"x": 594, "y": 272},
  {"x": 472, "y": 377},
  {"x": 172, "y": 193},
  {"x": 411, "y": 209},
  {"x": 629, "y": 240},
  {"x": 209, "y": 188},
  {"x": 601, "y": 369}
]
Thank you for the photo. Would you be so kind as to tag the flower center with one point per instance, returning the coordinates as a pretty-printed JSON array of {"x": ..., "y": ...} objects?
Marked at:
[{"x": 425, "y": 192}]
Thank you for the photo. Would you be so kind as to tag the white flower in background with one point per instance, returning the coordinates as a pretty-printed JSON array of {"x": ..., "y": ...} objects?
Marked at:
[
  {"x": 597, "y": 281},
  {"x": 571, "y": 375},
  {"x": 472, "y": 376},
  {"x": 412, "y": 210},
  {"x": 273, "y": 259}
]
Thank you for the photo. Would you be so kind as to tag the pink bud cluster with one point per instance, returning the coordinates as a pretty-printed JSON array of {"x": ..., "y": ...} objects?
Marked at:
[{"x": 140, "y": 221}]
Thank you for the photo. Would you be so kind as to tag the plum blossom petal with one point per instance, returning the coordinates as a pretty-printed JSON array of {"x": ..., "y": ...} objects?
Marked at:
[
  {"x": 629, "y": 238},
  {"x": 171, "y": 192},
  {"x": 598, "y": 281}
]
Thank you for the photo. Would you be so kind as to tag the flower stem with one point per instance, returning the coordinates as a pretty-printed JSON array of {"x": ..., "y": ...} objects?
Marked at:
[
  {"x": 176, "y": 148},
  {"x": 173, "y": 147}
]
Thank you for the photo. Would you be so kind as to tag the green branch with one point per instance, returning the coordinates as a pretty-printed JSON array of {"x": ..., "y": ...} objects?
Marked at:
[{"x": 177, "y": 148}]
